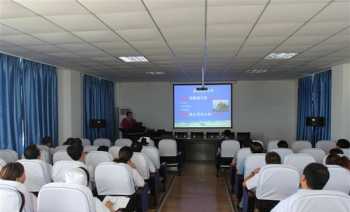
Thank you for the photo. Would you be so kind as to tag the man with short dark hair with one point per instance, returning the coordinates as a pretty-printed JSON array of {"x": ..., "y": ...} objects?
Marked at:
[
  {"x": 32, "y": 152},
  {"x": 282, "y": 144},
  {"x": 336, "y": 151},
  {"x": 76, "y": 152},
  {"x": 333, "y": 159},
  {"x": 315, "y": 177}
]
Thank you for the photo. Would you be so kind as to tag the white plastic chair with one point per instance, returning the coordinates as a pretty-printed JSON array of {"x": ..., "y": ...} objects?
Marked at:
[
  {"x": 297, "y": 146},
  {"x": 326, "y": 145},
  {"x": 102, "y": 142},
  {"x": 320, "y": 201},
  {"x": 45, "y": 155},
  {"x": 253, "y": 161},
  {"x": 96, "y": 157},
  {"x": 316, "y": 153},
  {"x": 272, "y": 145},
  {"x": 277, "y": 182},
  {"x": 282, "y": 152},
  {"x": 299, "y": 161},
  {"x": 242, "y": 154},
  {"x": 60, "y": 168},
  {"x": 8, "y": 155},
  {"x": 2, "y": 163},
  {"x": 229, "y": 148},
  {"x": 153, "y": 153},
  {"x": 85, "y": 141},
  {"x": 38, "y": 174},
  {"x": 141, "y": 164},
  {"x": 114, "y": 151},
  {"x": 339, "y": 179},
  {"x": 123, "y": 142},
  {"x": 60, "y": 148},
  {"x": 114, "y": 179},
  {"x": 60, "y": 155},
  {"x": 167, "y": 148},
  {"x": 149, "y": 141},
  {"x": 59, "y": 197}
]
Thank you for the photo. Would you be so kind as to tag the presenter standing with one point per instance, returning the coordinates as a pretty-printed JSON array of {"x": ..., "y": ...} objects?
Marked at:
[{"x": 129, "y": 123}]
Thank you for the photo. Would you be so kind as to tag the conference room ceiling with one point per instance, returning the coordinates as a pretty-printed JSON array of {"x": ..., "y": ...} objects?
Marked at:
[{"x": 91, "y": 35}]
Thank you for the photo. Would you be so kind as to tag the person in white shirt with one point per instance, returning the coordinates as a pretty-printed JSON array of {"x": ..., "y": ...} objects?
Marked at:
[
  {"x": 32, "y": 152},
  {"x": 125, "y": 154},
  {"x": 144, "y": 169},
  {"x": 13, "y": 173},
  {"x": 315, "y": 176}
]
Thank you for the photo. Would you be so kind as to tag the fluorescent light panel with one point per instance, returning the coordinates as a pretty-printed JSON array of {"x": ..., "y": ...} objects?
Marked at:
[
  {"x": 155, "y": 73},
  {"x": 280, "y": 56},
  {"x": 134, "y": 59},
  {"x": 256, "y": 71}
]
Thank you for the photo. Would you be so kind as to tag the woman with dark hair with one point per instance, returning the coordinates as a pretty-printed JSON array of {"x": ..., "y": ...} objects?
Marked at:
[{"x": 13, "y": 174}]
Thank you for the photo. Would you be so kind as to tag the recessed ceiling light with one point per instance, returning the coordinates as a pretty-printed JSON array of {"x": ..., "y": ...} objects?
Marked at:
[
  {"x": 134, "y": 59},
  {"x": 155, "y": 73},
  {"x": 256, "y": 71},
  {"x": 280, "y": 56}
]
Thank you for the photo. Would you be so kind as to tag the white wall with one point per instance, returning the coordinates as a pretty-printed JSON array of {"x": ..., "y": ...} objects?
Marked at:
[
  {"x": 268, "y": 109},
  {"x": 69, "y": 104},
  {"x": 340, "y": 102}
]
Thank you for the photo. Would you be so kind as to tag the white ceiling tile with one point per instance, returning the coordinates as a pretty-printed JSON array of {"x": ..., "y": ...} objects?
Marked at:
[
  {"x": 337, "y": 11},
  {"x": 235, "y": 2},
  {"x": 57, "y": 37},
  {"x": 281, "y": 13},
  {"x": 140, "y": 34},
  {"x": 275, "y": 29},
  {"x": 187, "y": 32},
  {"x": 53, "y": 7},
  {"x": 228, "y": 30},
  {"x": 98, "y": 36},
  {"x": 10, "y": 9},
  {"x": 324, "y": 28},
  {"x": 112, "y": 45},
  {"x": 173, "y": 4},
  {"x": 77, "y": 47},
  {"x": 113, "y": 6},
  {"x": 45, "y": 48},
  {"x": 31, "y": 25},
  {"x": 246, "y": 14},
  {"x": 78, "y": 22},
  {"x": 271, "y": 41},
  {"x": 128, "y": 20},
  {"x": 4, "y": 30},
  {"x": 22, "y": 40}
]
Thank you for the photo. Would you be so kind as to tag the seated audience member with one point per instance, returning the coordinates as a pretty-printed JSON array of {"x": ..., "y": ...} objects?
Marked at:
[
  {"x": 315, "y": 176},
  {"x": 103, "y": 148},
  {"x": 256, "y": 147},
  {"x": 282, "y": 144},
  {"x": 68, "y": 141},
  {"x": 76, "y": 152},
  {"x": 77, "y": 141},
  {"x": 345, "y": 162},
  {"x": 79, "y": 176},
  {"x": 13, "y": 173},
  {"x": 137, "y": 148},
  {"x": 343, "y": 144},
  {"x": 333, "y": 159},
  {"x": 47, "y": 141},
  {"x": 32, "y": 152},
  {"x": 125, "y": 154},
  {"x": 251, "y": 180},
  {"x": 336, "y": 151}
]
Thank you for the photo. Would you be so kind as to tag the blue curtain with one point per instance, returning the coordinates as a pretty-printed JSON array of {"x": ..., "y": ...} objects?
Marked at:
[
  {"x": 98, "y": 100},
  {"x": 322, "y": 100},
  {"x": 314, "y": 99},
  {"x": 40, "y": 102},
  {"x": 304, "y": 108},
  {"x": 11, "y": 130}
]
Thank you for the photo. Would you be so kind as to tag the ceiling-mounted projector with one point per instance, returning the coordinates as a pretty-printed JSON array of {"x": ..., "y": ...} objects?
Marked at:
[{"x": 202, "y": 88}]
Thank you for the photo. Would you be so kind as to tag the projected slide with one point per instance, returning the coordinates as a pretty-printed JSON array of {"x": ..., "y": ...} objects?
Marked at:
[{"x": 202, "y": 109}]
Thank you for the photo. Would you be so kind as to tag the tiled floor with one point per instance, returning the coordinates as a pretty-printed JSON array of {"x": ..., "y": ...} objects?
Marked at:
[{"x": 198, "y": 190}]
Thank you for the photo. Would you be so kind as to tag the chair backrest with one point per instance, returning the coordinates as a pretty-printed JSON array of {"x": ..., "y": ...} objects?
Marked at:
[
  {"x": 43, "y": 147},
  {"x": 346, "y": 152},
  {"x": 252, "y": 162},
  {"x": 114, "y": 151},
  {"x": 96, "y": 157},
  {"x": 8, "y": 155},
  {"x": 59, "y": 148},
  {"x": 260, "y": 142},
  {"x": 299, "y": 161},
  {"x": 321, "y": 201},
  {"x": 90, "y": 148},
  {"x": 11, "y": 197},
  {"x": 45, "y": 156},
  {"x": 326, "y": 145},
  {"x": 339, "y": 179},
  {"x": 123, "y": 142},
  {"x": 229, "y": 148},
  {"x": 60, "y": 168},
  {"x": 2, "y": 163},
  {"x": 59, "y": 197},
  {"x": 277, "y": 182},
  {"x": 297, "y": 146},
  {"x": 37, "y": 174},
  {"x": 85, "y": 141},
  {"x": 167, "y": 148},
  {"x": 282, "y": 152},
  {"x": 102, "y": 142},
  {"x": 316, "y": 153},
  {"x": 272, "y": 145},
  {"x": 153, "y": 153},
  {"x": 242, "y": 154},
  {"x": 60, "y": 155},
  {"x": 114, "y": 179},
  {"x": 140, "y": 162},
  {"x": 149, "y": 141}
]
